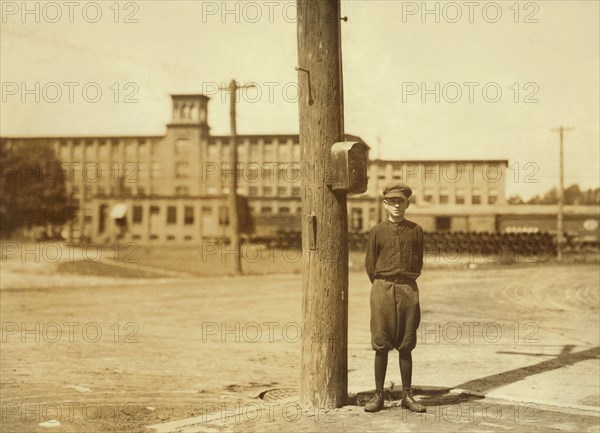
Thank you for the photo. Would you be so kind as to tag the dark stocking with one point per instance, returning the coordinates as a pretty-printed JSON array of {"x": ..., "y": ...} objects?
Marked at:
[
  {"x": 381, "y": 361},
  {"x": 406, "y": 369}
]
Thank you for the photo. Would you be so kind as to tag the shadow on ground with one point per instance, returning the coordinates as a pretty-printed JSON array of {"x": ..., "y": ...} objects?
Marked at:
[{"x": 476, "y": 389}]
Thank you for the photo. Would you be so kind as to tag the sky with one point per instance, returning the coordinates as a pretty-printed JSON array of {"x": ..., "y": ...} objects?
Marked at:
[{"x": 422, "y": 80}]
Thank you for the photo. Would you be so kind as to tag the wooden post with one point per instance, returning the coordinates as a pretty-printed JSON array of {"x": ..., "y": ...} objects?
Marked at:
[
  {"x": 324, "y": 364},
  {"x": 561, "y": 200},
  {"x": 232, "y": 197},
  {"x": 234, "y": 224},
  {"x": 560, "y": 239}
]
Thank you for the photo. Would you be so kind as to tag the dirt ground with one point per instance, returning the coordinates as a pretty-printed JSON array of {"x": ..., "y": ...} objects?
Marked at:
[{"x": 115, "y": 354}]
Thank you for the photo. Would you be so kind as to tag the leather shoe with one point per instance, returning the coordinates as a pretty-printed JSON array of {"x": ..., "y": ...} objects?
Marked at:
[
  {"x": 376, "y": 403},
  {"x": 410, "y": 403}
]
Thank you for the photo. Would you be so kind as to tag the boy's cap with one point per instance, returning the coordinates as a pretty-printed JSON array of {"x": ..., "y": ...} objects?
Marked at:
[{"x": 397, "y": 189}]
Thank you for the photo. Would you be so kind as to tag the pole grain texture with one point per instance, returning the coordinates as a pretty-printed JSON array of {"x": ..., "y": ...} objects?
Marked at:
[{"x": 324, "y": 363}]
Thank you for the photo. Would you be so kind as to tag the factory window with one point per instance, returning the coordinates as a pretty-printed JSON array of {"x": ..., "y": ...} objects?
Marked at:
[
  {"x": 225, "y": 152},
  {"x": 460, "y": 196},
  {"x": 102, "y": 217},
  {"x": 296, "y": 191},
  {"x": 442, "y": 223},
  {"x": 104, "y": 150},
  {"x": 143, "y": 149},
  {"x": 188, "y": 215},
  {"x": 284, "y": 210},
  {"x": 212, "y": 150},
  {"x": 252, "y": 191},
  {"x": 155, "y": 170},
  {"x": 207, "y": 210},
  {"x": 171, "y": 215},
  {"x": 242, "y": 151},
  {"x": 443, "y": 196},
  {"x": 284, "y": 151},
  {"x": 283, "y": 173},
  {"x": 373, "y": 215},
  {"x": 267, "y": 173},
  {"x": 143, "y": 170},
  {"x": 493, "y": 197},
  {"x": 130, "y": 151},
  {"x": 267, "y": 190},
  {"x": 266, "y": 210},
  {"x": 295, "y": 175},
  {"x": 428, "y": 195},
  {"x": 182, "y": 190},
  {"x": 251, "y": 174},
  {"x": 154, "y": 210},
  {"x": 476, "y": 197},
  {"x": 282, "y": 191},
  {"x": 356, "y": 219},
  {"x": 87, "y": 214},
  {"x": 182, "y": 170},
  {"x": 138, "y": 213},
  {"x": 182, "y": 147},
  {"x": 223, "y": 215},
  {"x": 269, "y": 152}
]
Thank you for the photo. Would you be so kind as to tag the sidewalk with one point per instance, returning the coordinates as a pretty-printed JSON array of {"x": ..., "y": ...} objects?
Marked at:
[
  {"x": 546, "y": 395},
  {"x": 450, "y": 411}
]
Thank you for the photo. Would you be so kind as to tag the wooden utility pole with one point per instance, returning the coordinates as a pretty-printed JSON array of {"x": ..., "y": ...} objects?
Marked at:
[
  {"x": 324, "y": 364},
  {"x": 561, "y": 197},
  {"x": 234, "y": 219}
]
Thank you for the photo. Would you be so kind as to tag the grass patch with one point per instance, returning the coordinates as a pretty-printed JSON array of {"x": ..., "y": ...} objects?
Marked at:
[{"x": 213, "y": 260}]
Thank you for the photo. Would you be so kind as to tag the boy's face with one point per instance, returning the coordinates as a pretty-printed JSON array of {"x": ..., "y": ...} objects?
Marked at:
[{"x": 396, "y": 206}]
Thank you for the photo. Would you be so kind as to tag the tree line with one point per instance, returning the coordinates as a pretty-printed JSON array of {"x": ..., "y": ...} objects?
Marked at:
[
  {"x": 32, "y": 195},
  {"x": 573, "y": 196}
]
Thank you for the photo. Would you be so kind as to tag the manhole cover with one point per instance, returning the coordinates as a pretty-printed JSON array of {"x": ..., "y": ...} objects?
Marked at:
[{"x": 278, "y": 394}]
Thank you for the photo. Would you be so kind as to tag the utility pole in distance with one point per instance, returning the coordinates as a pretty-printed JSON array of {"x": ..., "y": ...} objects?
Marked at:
[
  {"x": 561, "y": 196},
  {"x": 324, "y": 363},
  {"x": 234, "y": 219}
]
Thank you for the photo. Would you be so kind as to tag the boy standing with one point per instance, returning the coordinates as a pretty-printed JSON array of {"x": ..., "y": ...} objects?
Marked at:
[{"x": 393, "y": 262}]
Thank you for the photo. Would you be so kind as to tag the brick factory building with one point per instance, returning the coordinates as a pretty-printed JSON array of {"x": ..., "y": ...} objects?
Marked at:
[{"x": 173, "y": 187}]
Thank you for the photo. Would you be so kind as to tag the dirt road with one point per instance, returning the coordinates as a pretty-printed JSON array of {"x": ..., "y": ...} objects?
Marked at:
[{"x": 136, "y": 352}]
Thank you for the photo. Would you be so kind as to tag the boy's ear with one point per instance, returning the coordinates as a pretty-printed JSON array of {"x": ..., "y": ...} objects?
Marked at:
[{"x": 408, "y": 203}]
